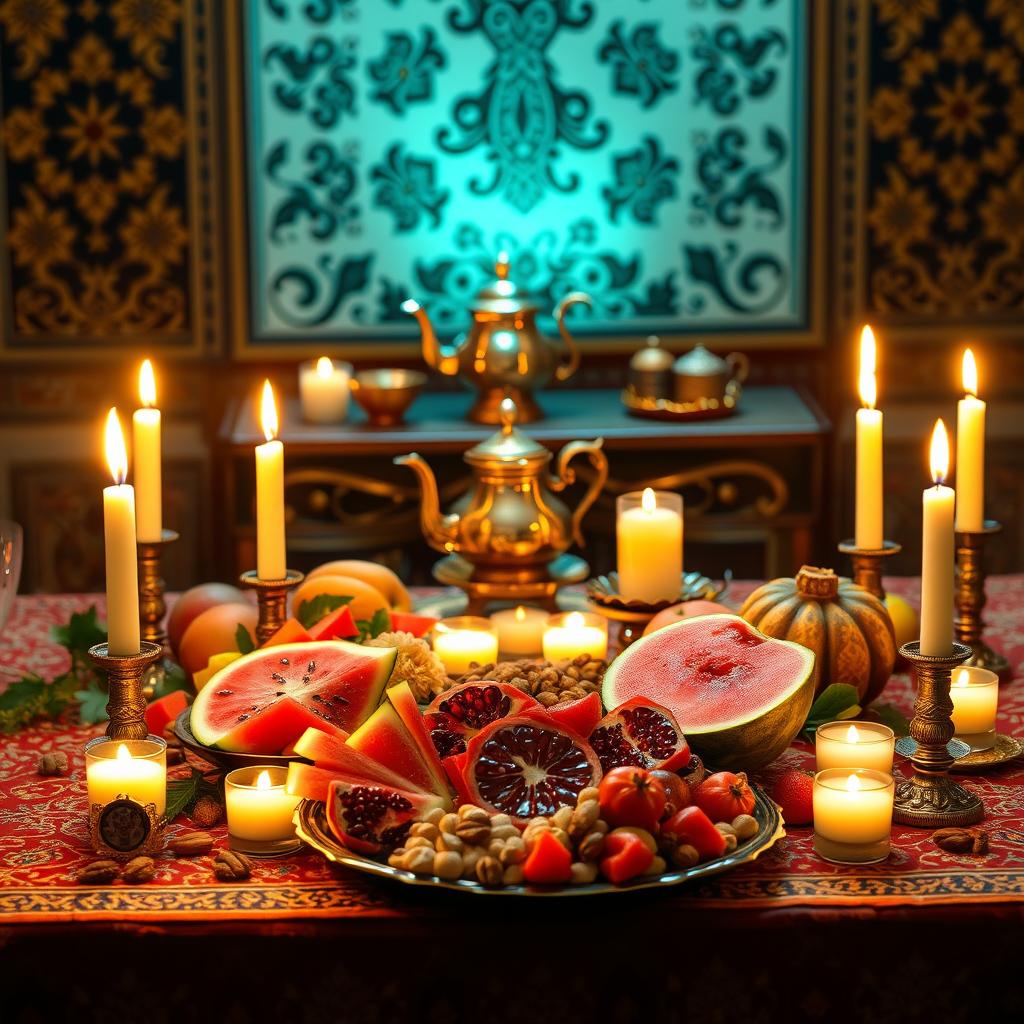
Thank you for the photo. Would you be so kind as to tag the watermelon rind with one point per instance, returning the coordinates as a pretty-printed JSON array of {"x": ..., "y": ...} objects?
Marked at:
[{"x": 734, "y": 741}]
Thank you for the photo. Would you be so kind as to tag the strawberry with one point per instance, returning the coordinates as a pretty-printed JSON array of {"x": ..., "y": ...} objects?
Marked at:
[{"x": 794, "y": 792}]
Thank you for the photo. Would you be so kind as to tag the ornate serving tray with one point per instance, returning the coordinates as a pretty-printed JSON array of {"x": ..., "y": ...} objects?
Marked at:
[
  {"x": 667, "y": 409},
  {"x": 311, "y": 826},
  {"x": 223, "y": 758}
]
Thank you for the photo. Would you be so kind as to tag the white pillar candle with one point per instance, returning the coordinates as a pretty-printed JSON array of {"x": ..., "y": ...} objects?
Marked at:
[
  {"x": 270, "y": 544},
  {"x": 649, "y": 531},
  {"x": 132, "y": 768},
  {"x": 520, "y": 630},
  {"x": 937, "y": 553},
  {"x": 146, "y": 459},
  {"x": 464, "y": 640},
  {"x": 259, "y": 809},
  {"x": 852, "y": 815},
  {"x": 324, "y": 390},
  {"x": 869, "y": 531},
  {"x": 854, "y": 745},
  {"x": 121, "y": 553},
  {"x": 975, "y": 696},
  {"x": 970, "y": 452},
  {"x": 571, "y": 634}
]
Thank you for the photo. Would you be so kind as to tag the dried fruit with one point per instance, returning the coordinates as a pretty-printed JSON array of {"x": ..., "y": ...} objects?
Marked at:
[
  {"x": 693, "y": 827},
  {"x": 139, "y": 870},
  {"x": 456, "y": 716},
  {"x": 745, "y": 827},
  {"x": 625, "y": 856},
  {"x": 55, "y": 763},
  {"x": 190, "y": 844},
  {"x": 549, "y": 862},
  {"x": 208, "y": 811},
  {"x": 678, "y": 793},
  {"x": 724, "y": 795},
  {"x": 632, "y": 796},
  {"x": 232, "y": 866},
  {"x": 99, "y": 872},
  {"x": 961, "y": 840},
  {"x": 640, "y": 734}
]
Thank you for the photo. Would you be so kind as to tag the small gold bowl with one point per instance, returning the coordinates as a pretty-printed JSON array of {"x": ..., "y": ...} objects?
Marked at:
[{"x": 385, "y": 395}]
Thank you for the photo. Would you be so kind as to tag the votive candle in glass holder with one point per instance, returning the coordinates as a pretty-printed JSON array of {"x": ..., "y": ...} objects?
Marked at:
[
  {"x": 852, "y": 815},
  {"x": 260, "y": 810},
  {"x": 649, "y": 535},
  {"x": 324, "y": 390},
  {"x": 570, "y": 634},
  {"x": 132, "y": 768},
  {"x": 854, "y": 745},
  {"x": 520, "y": 630},
  {"x": 464, "y": 640},
  {"x": 975, "y": 695}
]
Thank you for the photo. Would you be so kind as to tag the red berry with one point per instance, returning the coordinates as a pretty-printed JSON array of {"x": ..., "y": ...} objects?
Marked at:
[{"x": 794, "y": 793}]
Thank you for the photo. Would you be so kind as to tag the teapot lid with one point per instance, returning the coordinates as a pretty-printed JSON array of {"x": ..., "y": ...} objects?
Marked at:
[
  {"x": 699, "y": 362},
  {"x": 508, "y": 444},
  {"x": 652, "y": 356},
  {"x": 503, "y": 295}
]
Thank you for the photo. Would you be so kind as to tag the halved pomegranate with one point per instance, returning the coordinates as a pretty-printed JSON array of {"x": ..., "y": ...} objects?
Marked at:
[
  {"x": 524, "y": 766},
  {"x": 457, "y": 715},
  {"x": 642, "y": 734},
  {"x": 371, "y": 819}
]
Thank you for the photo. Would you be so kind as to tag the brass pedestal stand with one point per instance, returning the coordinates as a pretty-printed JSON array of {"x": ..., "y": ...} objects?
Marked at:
[
  {"x": 867, "y": 564},
  {"x": 272, "y": 599},
  {"x": 152, "y": 608},
  {"x": 970, "y": 598},
  {"x": 931, "y": 799},
  {"x": 126, "y": 706}
]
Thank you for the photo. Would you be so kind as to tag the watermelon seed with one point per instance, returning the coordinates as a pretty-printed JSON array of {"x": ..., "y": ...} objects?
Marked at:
[
  {"x": 285, "y": 661},
  {"x": 312, "y": 667},
  {"x": 278, "y": 678},
  {"x": 243, "y": 717},
  {"x": 338, "y": 696},
  {"x": 224, "y": 693},
  {"x": 316, "y": 696},
  {"x": 280, "y": 693}
]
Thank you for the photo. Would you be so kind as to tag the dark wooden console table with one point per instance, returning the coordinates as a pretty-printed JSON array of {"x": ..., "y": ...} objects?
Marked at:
[{"x": 752, "y": 482}]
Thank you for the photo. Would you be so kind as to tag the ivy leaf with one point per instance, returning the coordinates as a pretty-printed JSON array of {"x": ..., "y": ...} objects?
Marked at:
[
  {"x": 82, "y": 631},
  {"x": 182, "y": 794},
  {"x": 93, "y": 701},
  {"x": 370, "y": 628},
  {"x": 243, "y": 640},
  {"x": 836, "y": 702},
  {"x": 312, "y": 611},
  {"x": 893, "y": 718}
]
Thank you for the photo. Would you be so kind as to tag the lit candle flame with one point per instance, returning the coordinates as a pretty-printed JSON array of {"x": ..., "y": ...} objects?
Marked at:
[
  {"x": 263, "y": 780},
  {"x": 268, "y": 412},
  {"x": 939, "y": 453},
  {"x": 123, "y": 753},
  {"x": 867, "y": 383},
  {"x": 520, "y": 615},
  {"x": 648, "y": 502},
  {"x": 324, "y": 368},
  {"x": 147, "y": 385},
  {"x": 117, "y": 454},
  {"x": 852, "y": 735},
  {"x": 852, "y": 784},
  {"x": 575, "y": 620},
  {"x": 963, "y": 678},
  {"x": 969, "y": 372}
]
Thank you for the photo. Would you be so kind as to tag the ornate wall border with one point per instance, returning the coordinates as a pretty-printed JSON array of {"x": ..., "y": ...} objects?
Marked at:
[
  {"x": 199, "y": 60},
  {"x": 818, "y": 41}
]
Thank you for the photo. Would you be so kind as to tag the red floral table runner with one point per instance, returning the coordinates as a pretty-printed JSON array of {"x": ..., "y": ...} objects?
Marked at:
[{"x": 43, "y": 838}]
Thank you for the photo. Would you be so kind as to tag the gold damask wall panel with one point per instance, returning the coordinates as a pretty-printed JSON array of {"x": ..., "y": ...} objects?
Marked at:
[
  {"x": 108, "y": 237},
  {"x": 930, "y": 154}
]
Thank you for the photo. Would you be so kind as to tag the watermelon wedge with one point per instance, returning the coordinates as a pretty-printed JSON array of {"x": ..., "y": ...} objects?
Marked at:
[
  {"x": 265, "y": 700},
  {"x": 404, "y": 703},
  {"x": 384, "y": 737},
  {"x": 333, "y": 754},
  {"x": 406, "y": 622},
  {"x": 336, "y": 625}
]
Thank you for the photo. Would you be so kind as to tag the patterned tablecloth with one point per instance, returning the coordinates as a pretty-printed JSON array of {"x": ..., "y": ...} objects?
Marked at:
[{"x": 43, "y": 833}]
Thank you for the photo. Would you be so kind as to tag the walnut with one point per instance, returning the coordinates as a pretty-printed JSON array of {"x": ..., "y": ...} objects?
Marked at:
[
  {"x": 53, "y": 764},
  {"x": 232, "y": 866},
  {"x": 99, "y": 872},
  {"x": 962, "y": 840},
  {"x": 550, "y": 682},
  {"x": 191, "y": 844},
  {"x": 139, "y": 870}
]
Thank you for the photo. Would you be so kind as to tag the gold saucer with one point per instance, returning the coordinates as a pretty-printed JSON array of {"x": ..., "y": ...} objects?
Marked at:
[{"x": 1006, "y": 749}]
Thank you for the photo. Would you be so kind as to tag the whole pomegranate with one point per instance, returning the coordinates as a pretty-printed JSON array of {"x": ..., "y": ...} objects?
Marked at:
[
  {"x": 632, "y": 796},
  {"x": 723, "y": 796}
]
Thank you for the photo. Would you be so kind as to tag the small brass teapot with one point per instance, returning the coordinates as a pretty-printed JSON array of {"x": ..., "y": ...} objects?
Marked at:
[
  {"x": 700, "y": 375},
  {"x": 510, "y": 524},
  {"x": 503, "y": 352}
]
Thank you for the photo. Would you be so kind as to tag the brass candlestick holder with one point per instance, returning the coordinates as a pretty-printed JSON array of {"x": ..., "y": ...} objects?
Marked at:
[
  {"x": 970, "y": 597},
  {"x": 867, "y": 564},
  {"x": 126, "y": 706},
  {"x": 931, "y": 799},
  {"x": 272, "y": 598},
  {"x": 152, "y": 608}
]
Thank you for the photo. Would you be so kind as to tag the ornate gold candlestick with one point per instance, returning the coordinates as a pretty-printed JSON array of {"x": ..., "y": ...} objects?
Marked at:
[
  {"x": 272, "y": 598},
  {"x": 930, "y": 798},
  {"x": 126, "y": 706},
  {"x": 867, "y": 564},
  {"x": 152, "y": 608},
  {"x": 970, "y": 597}
]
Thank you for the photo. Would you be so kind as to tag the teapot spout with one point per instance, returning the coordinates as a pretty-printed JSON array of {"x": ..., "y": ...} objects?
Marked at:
[
  {"x": 441, "y": 357},
  {"x": 440, "y": 531}
]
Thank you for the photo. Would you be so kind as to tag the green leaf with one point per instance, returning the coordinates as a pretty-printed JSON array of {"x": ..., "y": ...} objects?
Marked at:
[
  {"x": 82, "y": 631},
  {"x": 28, "y": 688},
  {"x": 182, "y": 794},
  {"x": 93, "y": 701},
  {"x": 891, "y": 717},
  {"x": 312, "y": 611},
  {"x": 370, "y": 628},
  {"x": 243, "y": 640},
  {"x": 837, "y": 701}
]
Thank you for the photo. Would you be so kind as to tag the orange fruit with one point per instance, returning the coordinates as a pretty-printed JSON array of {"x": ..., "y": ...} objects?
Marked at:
[
  {"x": 685, "y": 610},
  {"x": 213, "y": 632},
  {"x": 365, "y": 599},
  {"x": 380, "y": 577},
  {"x": 194, "y": 602},
  {"x": 904, "y": 619}
]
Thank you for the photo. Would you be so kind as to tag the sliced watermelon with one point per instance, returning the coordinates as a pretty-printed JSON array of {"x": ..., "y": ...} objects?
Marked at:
[
  {"x": 455, "y": 769},
  {"x": 334, "y": 754},
  {"x": 406, "y": 622},
  {"x": 336, "y": 625},
  {"x": 580, "y": 715},
  {"x": 292, "y": 632},
  {"x": 404, "y": 703},
  {"x": 314, "y": 782},
  {"x": 335, "y": 684},
  {"x": 384, "y": 737},
  {"x": 165, "y": 710}
]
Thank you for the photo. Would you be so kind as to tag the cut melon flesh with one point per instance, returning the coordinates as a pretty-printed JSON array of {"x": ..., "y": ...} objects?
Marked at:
[
  {"x": 334, "y": 754},
  {"x": 711, "y": 672}
]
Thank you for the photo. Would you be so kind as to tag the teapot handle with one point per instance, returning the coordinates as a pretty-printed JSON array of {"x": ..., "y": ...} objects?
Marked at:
[
  {"x": 739, "y": 366},
  {"x": 567, "y": 475},
  {"x": 565, "y": 370}
]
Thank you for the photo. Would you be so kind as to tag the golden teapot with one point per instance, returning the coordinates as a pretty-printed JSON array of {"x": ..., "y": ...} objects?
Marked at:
[
  {"x": 503, "y": 353},
  {"x": 510, "y": 524}
]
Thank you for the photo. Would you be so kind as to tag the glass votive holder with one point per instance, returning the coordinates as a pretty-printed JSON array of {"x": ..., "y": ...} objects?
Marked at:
[
  {"x": 975, "y": 696},
  {"x": 520, "y": 631},
  {"x": 324, "y": 388},
  {"x": 260, "y": 811},
  {"x": 569, "y": 634},
  {"x": 852, "y": 815},
  {"x": 649, "y": 545},
  {"x": 854, "y": 745},
  {"x": 464, "y": 640},
  {"x": 133, "y": 768}
]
